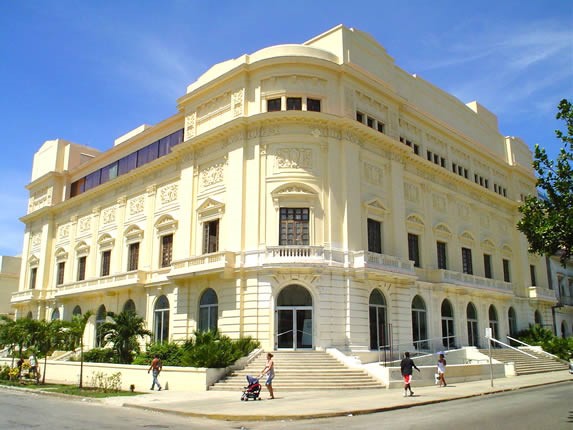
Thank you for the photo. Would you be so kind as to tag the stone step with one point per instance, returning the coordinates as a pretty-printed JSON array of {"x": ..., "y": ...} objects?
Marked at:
[
  {"x": 301, "y": 371},
  {"x": 526, "y": 365}
]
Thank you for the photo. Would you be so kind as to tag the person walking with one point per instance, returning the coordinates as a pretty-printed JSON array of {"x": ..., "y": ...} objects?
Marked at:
[
  {"x": 34, "y": 367},
  {"x": 269, "y": 370},
  {"x": 442, "y": 370},
  {"x": 406, "y": 367},
  {"x": 156, "y": 367}
]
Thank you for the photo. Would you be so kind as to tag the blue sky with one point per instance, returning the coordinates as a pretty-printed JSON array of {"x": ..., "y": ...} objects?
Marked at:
[{"x": 89, "y": 71}]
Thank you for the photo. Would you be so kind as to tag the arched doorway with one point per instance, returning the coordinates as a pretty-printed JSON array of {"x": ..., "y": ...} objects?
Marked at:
[
  {"x": 377, "y": 319},
  {"x": 161, "y": 320},
  {"x": 512, "y": 319},
  {"x": 472, "y": 318},
  {"x": 208, "y": 310},
  {"x": 294, "y": 318},
  {"x": 448, "y": 336},
  {"x": 493, "y": 322},
  {"x": 419, "y": 324}
]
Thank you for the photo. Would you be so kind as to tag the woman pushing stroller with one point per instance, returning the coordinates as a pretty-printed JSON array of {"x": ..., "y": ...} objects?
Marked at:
[{"x": 269, "y": 370}]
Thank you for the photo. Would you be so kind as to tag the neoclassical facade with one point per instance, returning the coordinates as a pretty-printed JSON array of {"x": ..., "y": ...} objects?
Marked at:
[{"x": 310, "y": 196}]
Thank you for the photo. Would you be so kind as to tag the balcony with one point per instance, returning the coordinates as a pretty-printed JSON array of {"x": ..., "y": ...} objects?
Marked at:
[
  {"x": 131, "y": 279},
  {"x": 383, "y": 262},
  {"x": 223, "y": 262},
  {"x": 540, "y": 293},
  {"x": 470, "y": 281},
  {"x": 29, "y": 295}
]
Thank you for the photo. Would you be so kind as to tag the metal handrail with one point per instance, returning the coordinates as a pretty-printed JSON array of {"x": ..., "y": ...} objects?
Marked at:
[
  {"x": 511, "y": 347},
  {"x": 542, "y": 350}
]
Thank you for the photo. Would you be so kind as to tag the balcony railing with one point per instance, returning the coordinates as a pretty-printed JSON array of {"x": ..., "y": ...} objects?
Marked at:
[
  {"x": 541, "y": 293},
  {"x": 126, "y": 279},
  {"x": 27, "y": 295},
  {"x": 472, "y": 281},
  {"x": 216, "y": 261},
  {"x": 384, "y": 262}
]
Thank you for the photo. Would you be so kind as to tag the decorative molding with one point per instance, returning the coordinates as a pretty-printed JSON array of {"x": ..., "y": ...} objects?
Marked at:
[
  {"x": 85, "y": 223},
  {"x": 82, "y": 248},
  {"x": 210, "y": 208},
  {"x": 106, "y": 241},
  {"x": 168, "y": 193},
  {"x": 294, "y": 158},
  {"x": 463, "y": 210},
  {"x": 136, "y": 205},
  {"x": 63, "y": 231},
  {"x": 411, "y": 192},
  {"x": 108, "y": 215},
  {"x": 36, "y": 239},
  {"x": 133, "y": 233},
  {"x": 40, "y": 199},
  {"x": 488, "y": 245},
  {"x": 237, "y": 102},
  {"x": 415, "y": 219},
  {"x": 442, "y": 230},
  {"x": 439, "y": 202},
  {"x": 212, "y": 174},
  {"x": 373, "y": 174},
  {"x": 61, "y": 254},
  {"x": 375, "y": 206},
  {"x": 467, "y": 237},
  {"x": 165, "y": 224}
]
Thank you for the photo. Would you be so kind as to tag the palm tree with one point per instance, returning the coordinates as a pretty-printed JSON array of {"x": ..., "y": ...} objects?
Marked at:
[
  {"x": 15, "y": 334},
  {"x": 123, "y": 332},
  {"x": 75, "y": 330},
  {"x": 45, "y": 337}
]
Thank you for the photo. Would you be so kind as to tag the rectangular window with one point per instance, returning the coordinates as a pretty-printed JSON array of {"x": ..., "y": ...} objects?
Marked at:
[
  {"x": 147, "y": 154},
  {"x": 33, "y": 275},
  {"x": 443, "y": 162},
  {"x": 416, "y": 149},
  {"x": 109, "y": 172},
  {"x": 360, "y": 117},
  {"x": 532, "y": 274},
  {"x": 105, "y": 262},
  {"x": 429, "y": 155},
  {"x": 442, "y": 257},
  {"x": 294, "y": 103},
  {"x": 60, "y": 272},
  {"x": 82, "y": 268},
  {"x": 294, "y": 226},
  {"x": 467, "y": 261},
  {"x": 487, "y": 266},
  {"x": 210, "y": 236},
  {"x": 436, "y": 159},
  {"x": 313, "y": 105},
  {"x": 374, "y": 236},
  {"x": 127, "y": 164},
  {"x": 273, "y": 105},
  {"x": 370, "y": 122},
  {"x": 506, "y": 271},
  {"x": 93, "y": 180},
  {"x": 166, "y": 250},
  {"x": 414, "y": 249},
  {"x": 133, "y": 256},
  {"x": 380, "y": 127}
]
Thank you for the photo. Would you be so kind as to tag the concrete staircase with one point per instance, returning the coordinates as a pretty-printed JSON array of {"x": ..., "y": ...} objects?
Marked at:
[
  {"x": 301, "y": 371},
  {"x": 525, "y": 365}
]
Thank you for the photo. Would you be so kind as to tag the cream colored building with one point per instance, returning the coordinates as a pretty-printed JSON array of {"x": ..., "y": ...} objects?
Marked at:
[
  {"x": 310, "y": 196},
  {"x": 9, "y": 273}
]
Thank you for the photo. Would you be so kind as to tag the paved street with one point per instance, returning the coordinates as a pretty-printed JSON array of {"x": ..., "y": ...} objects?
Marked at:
[{"x": 534, "y": 408}]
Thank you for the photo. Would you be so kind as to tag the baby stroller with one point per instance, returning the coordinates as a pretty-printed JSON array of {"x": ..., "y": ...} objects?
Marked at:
[{"x": 253, "y": 390}]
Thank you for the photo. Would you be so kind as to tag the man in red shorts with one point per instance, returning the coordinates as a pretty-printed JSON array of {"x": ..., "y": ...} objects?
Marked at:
[{"x": 406, "y": 367}]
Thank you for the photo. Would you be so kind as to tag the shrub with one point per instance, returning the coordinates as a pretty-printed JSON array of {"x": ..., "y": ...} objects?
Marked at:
[
  {"x": 100, "y": 355},
  {"x": 171, "y": 354},
  {"x": 104, "y": 383},
  {"x": 539, "y": 336},
  {"x": 5, "y": 373}
]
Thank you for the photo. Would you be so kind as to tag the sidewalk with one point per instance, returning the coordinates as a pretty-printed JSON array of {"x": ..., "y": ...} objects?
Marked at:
[{"x": 319, "y": 404}]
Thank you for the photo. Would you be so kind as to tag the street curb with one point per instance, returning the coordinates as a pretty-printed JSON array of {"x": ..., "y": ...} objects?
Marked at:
[{"x": 229, "y": 417}]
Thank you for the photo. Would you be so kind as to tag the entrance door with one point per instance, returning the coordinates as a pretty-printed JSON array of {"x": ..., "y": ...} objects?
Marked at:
[
  {"x": 294, "y": 328},
  {"x": 294, "y": 325}
]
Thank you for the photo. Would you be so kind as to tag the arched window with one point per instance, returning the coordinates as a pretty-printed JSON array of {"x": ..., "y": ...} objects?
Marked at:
[
  {"x": 100, "y": 319},
  {"x": 77, "y": 310},
  {"x": 377, "y": 317},
  {"x": 161, "y": 320},
  {"x": 419, "y": 324},
  {"x": 29, "y": 315},
  {"x": 129, "y": 306},
  {"x": 512, "y": 319},
  {"x": 563, "y": 330},
  {"x": 55, "y": 314},
  {"x": 448, "y": 336},
  {"x": 471, "y": 315},
  {"x": 493, "y": 322},
  {"x": 537, "y": 318},
  {"x": 208, "y": 310}
]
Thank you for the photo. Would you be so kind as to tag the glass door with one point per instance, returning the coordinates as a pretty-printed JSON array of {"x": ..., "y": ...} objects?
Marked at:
[{"x": 294, "y": 328}]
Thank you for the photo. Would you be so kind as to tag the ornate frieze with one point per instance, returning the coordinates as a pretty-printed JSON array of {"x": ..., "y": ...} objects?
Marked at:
[
  {"x": 63, "y": 231},
  {"x": 439, "y": 202},
  {"x": 373, "y": 174},
  {"x": 168, "y": 193},
  {"x": 411, "y": 192},
  {"x": 40, "y": 199},
  {"x": 85, "y": 223},
  {"x": 190, "y": 125},
  {"x": 35, "y": 239},
  {"x": 136, "y": 205},
  {"x": 237, "y": 102},
  {"x": 294, "y": 158},
  {"x": 213, "y": 174},
  {"x": 108, "y": 215}
]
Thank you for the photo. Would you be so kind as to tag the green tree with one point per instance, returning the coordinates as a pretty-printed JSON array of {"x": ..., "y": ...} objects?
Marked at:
[
  {"x": 75, "y": 331},
  {"x": 548, "y": 222},
  {"x": 16, "y": 334},
  {"x": 123, "y": 332},
  {"x": 45, "y": 338}
]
